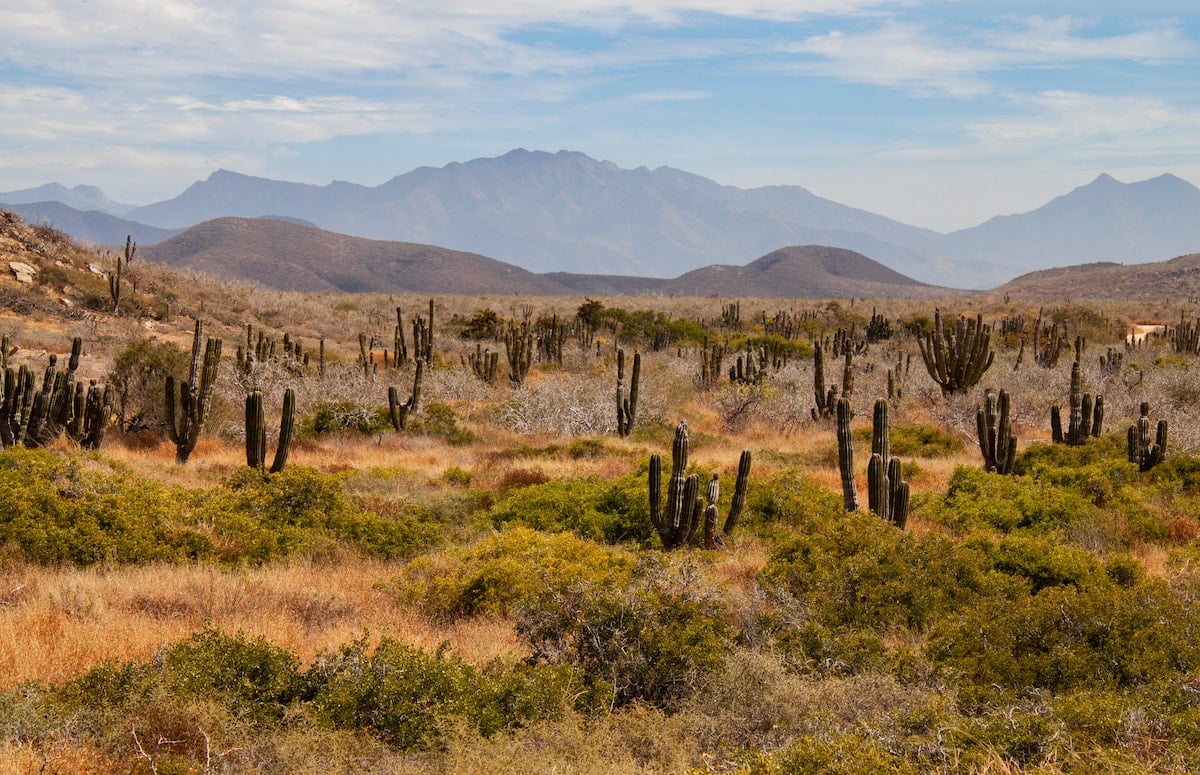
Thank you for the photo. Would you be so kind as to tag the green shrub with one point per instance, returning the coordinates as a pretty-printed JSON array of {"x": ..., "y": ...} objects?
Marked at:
[
  {"x": 1065, "y": 638},
  {"x": 342, "y": 416},
  {"x": 256, "y": 679},
  {"x": 77, "y": 509},
  {"x": 301, "y": 510},
  {"x": 604, "y": 511},
  {"x": 138, "y": 374},
  {"x": 651, "y": 640},
  {"x": 494, "y": 575},
  {"x": 406, "y": 696},
  {"x": 976, "y": 498},
  {"x": 436, "y": 419},
  {"x": 860, "y": 571}
]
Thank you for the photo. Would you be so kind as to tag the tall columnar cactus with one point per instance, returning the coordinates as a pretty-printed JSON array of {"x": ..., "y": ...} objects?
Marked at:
[
  {"x": 710, "y": 364},
  {"x": 677, "y": 524},
  {"x": 1144, "y": 451},
  {"x": 627, "y": 407},
  {"x": 518, "y": 346},
  {"x": 888, "y": 493},
  {"x": 993, "y": 423},
  {"x": 398, "y": 410},
  {"x": 957, "y": 360},
  {"x": 483, "y": 363},
  {"x": 398, "y": 343},
  {"x": 739, "y": 493},
  {"x": 1086, "y": 419},
  {"x": 114, "y": 279},
  {"x": 845, "y": 443},
  {"x": 256, "y": 431},
  {"x": 186, "y": 421},
  {"x": 90, "y": 416}
]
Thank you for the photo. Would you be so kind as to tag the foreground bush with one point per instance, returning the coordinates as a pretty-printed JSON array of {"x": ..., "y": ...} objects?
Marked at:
[{"x": 83, "y": 510}]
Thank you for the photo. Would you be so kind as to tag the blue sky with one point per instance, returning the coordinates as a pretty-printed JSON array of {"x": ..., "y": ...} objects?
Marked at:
[{"x": 939, "y": 114}]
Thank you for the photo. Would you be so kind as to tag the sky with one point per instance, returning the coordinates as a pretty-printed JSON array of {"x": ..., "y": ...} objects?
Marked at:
[{"x": 938, "y": 114}]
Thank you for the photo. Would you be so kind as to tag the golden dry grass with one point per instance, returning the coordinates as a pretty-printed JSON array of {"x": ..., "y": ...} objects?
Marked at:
[{"x": 56, "y": 623}]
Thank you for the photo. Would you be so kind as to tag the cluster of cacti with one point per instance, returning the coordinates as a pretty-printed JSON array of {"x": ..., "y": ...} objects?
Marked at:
[
  {"x": 34, "y": 417},
  {"x": 887, "y": 492},
  {"x": 627, "y": 406},
  {"x": 1049, "y": 340},
  {"x": 483, "y": 363},
  {"x": 713, "y": 540},
  {"x": 256, "y": 431},
  {"x": 518, "y": 346},
  {"x": 826, "y": 395},
  {"x": 89, "y": 420},
  {"x": 731, "y": 315},
  {"x": 897, "y": 375},
  {"x": 879, "y": 328},
  {"x": 1112, "y": 360},
  {"x": 677, "y": 524},
  {"x": 844, "y": 341},
  {"x": 711, "y": 356},
  {"x": 549, "y": 335},
  {"x": 1086, "y": 418},
  {"x": 956, "y": 358},
  {"x": 264, "y": 349},
  {"x": 114, "y": 279},
  {"x": 1144, "y": 451},
  {"x": 748, "y": 369},
  {"x": 398, "y": 410},
  {"x": 993, "y": 424},
  {"x": 185, "y": 422},
  {"x": 1185, "y": 337}
]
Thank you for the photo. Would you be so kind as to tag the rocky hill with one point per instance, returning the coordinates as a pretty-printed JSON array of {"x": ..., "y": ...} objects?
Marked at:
[{"x": 1174, "y": 280}]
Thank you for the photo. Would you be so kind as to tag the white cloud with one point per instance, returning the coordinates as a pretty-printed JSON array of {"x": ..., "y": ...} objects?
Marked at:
[{"x": 912, "y": 54}]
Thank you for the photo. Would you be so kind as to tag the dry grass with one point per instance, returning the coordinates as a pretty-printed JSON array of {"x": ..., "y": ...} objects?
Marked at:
[{"x": 58, "y": 623}]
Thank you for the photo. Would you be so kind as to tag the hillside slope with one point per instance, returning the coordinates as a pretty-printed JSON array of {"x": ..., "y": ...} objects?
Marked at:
[{"x": 289, "y": 256}]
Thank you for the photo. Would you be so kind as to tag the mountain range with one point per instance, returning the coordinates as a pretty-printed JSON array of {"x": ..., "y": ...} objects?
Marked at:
[
  {"x": 296, "y": 257},
  {"x": 567, "y": 212}
]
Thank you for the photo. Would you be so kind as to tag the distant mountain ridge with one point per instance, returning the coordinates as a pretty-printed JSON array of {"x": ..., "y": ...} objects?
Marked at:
[
  {"x": 80, "y": 198},
  {"x": 90, "y": 225},
  {"x": 567, "y": 212},
  {"x": 289, "y": 256}
]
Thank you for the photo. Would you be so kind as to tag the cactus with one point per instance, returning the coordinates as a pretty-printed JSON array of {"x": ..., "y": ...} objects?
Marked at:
[
  {"x": 1144, "y": 452},
  {"x": 627, "y": 407},
  {"x": 996, "y": 442},
  {"x": 739, "y": 493},
  {"x": 1086, "y": 417},
  {"x": 256, "y": 431},
  {"x": 677, "y": 524},
  {"x": 518, "y": 346},
  {"x": 957, "y": 361},
  {"x": 483, "y": 364},
  {"x": 90, "y": 415},
  {"x": 400, "y": 346},
  {"x": 887, "y": 492},
  {"x": 846, "y": 455},
  {"x": 710, "y": 364},
  {"x": 114, "y": 279},
  {"x": 399, "y": 410},
  {"x": 185, "y": 424}
]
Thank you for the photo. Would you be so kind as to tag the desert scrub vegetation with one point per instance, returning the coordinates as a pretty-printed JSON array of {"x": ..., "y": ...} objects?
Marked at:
[{"x": 484, "y": 590}]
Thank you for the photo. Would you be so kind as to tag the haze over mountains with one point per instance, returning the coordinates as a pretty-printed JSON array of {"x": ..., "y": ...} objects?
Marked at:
[
  {"x": 567, "y": 212},
  {"x": 291, "y": 256}
]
